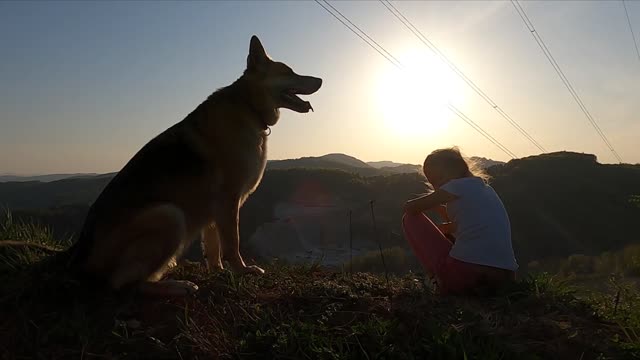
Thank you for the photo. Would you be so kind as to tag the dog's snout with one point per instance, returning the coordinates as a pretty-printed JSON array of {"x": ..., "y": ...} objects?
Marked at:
[
  {"x": 317, "y": 83},
  {"x": 308, "y": 85}
]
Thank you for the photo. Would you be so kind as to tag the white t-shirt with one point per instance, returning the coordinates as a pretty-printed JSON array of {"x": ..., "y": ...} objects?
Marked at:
[{"x": 483, "y": 231}]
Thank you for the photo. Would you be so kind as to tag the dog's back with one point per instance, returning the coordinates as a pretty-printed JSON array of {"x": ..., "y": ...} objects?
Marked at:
[{"x": 168, "y": 160}]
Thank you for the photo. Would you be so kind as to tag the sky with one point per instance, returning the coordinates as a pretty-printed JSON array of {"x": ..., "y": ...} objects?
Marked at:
[{"x": 84, "y": 85}]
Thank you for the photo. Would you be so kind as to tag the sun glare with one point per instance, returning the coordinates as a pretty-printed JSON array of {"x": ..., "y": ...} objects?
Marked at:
[{"x": 413, "y": 101}]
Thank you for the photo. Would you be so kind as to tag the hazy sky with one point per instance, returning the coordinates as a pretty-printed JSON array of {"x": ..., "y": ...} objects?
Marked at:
[{"x": 83, "y": 85}]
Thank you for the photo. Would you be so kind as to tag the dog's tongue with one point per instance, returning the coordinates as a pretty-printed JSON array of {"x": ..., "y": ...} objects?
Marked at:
[
  {"x": 304, "y": 106},
  {"x": 296, "y": 104}
]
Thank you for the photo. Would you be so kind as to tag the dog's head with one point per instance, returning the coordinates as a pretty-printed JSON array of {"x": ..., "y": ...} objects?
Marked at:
[{"x": 277, "y": 84}]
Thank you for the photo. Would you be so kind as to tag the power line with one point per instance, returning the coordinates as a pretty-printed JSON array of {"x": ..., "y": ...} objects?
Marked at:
[
  {"x": 635, "y": 43},
  {"x": 409, "y": 25},
  {"x": 364, "y": 33},
  {"x": 380, "y": 50},
  {"x": 565, "y": 80},
  {"x": 480, "y": 130},
  {"x": 393, "y": 60}
]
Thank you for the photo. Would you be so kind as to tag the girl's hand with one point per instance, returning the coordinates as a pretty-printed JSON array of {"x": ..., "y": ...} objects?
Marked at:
[
  {"x": 427, "y": 202},
  {"x": 442, "y": 212},
  {"x": 447, "y": 228}
]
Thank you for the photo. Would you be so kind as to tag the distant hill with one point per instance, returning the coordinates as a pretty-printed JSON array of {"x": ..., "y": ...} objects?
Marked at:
[
  {"x": 568, "y": 203},
  {"x": 43, "y": 195},
  {"x": 382, "y": 164},
  {"x": 485, "y": 163},
  {"x": 394, "y": 167},
  {"x": 345, "y": 159},
  {"x": 336, "y": 161},
  {"x": 402, "y": 169},
  {"x": 399, "y": 167},
  {"x": 346, "y": 163},
  {"x": 43, "y": 178},
  {"x": 329, "y": 161},
  {"x": 559, "y": 203}
]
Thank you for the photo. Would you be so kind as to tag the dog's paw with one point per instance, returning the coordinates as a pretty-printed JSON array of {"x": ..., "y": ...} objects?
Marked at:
[
  {"x": 253, "y": 269},
  {"x": 169, "y": 288},
  {"x": 215, "y": 267},
  {"x": 248, "y": 269},
  {"x": 187, "y": 287}
]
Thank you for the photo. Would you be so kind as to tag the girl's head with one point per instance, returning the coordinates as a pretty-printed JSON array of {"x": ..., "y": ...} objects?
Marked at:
[{"x": 443, "y": 165}]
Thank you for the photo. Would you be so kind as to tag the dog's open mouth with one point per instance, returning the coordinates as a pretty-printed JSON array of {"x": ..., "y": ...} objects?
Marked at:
[
  {"x": 293, "y": 102},
  {"x": 307, "y": 86}
]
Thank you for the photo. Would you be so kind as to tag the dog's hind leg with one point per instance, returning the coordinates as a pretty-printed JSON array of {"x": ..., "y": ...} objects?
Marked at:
[
  {"x": 227, "y": 224},
  {"x": 212, "y": 247},
  {"x": 151, "y": 243}
]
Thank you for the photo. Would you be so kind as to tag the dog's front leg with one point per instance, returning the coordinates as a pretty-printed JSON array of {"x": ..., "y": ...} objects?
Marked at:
[
  {"x": 212, "y": 247},
  {"x": 227, "y": 226}
]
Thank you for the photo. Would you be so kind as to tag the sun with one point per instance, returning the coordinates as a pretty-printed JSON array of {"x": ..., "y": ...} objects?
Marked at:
[{"x": 413, "y": 100}]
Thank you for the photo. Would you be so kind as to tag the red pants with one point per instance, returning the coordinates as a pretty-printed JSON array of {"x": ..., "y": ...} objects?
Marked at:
[{"x": 453, "y": 276}]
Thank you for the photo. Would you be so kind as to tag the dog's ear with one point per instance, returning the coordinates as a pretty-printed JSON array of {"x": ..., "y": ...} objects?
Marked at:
[{"x": 257, "y": 56}]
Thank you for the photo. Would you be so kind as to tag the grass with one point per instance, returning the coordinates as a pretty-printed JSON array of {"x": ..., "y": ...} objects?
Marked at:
[{"x": 304, "y": 312}]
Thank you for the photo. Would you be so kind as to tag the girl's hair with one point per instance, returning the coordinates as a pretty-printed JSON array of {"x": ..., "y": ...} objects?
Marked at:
[{"x": 451, "y": 161}]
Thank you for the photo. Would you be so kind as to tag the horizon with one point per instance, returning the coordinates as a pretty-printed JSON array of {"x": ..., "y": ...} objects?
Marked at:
[
  {"x": 109, "y": 172},
  {"x": 86, "y": 85},
  {"x": 296, "y": 158},
  {"x": 368, "y": 162}
]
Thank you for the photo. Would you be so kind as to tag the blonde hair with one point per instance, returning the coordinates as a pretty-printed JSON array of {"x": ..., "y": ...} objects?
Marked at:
[{"x": 454, "y": 165}]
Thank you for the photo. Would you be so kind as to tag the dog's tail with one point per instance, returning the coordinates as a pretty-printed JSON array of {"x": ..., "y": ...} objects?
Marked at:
[
  {"x": 28, "y": 244},
  {"x": 59, "y": 259}
]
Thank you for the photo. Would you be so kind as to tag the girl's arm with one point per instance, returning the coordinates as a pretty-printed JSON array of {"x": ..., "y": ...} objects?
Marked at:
[
  {"x": 426, "y": 202},
  {"x": 441, "y": 210},
  {"x": 447, "y": 227}
]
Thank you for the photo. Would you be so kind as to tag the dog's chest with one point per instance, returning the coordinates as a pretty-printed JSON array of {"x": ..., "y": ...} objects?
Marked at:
[
  {"x": 255, "y": 164},
  {"x": 244, "y": 172},
  {"x": 236, "y": 155}
]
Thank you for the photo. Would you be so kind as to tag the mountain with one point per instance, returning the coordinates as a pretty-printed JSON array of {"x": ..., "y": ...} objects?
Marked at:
[
  {"x": 43, "y": 178},
  {"x": 395, "y": 168},
  {"x": 346, "y": 163},
  {"x": 568, "y": 203},
  {"x": 382, "y": 164},
  {"x": 399, "y": 168},
  {"x": 43, "y": 195},
  {"x": 335, "y": 158},
  {"x": 559, "y": 203},
  {"x": 402, "y": 169},
  {"x": 485, "y": 163},
  {"x": 345, "y": 159},
  {"x": 330, "y": 161}
]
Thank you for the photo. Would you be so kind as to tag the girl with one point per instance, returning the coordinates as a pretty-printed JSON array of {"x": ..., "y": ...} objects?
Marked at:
[{"x": 481, "y": 257}]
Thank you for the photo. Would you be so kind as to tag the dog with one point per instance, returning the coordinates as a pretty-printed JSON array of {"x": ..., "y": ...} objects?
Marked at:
[{"x": 188, "y": 182}]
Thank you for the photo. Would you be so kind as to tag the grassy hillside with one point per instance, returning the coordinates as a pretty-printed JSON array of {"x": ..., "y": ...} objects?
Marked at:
[{"x": 302, "y": 312}]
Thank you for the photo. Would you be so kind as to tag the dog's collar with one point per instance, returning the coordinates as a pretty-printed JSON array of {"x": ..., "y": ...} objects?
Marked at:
[{"x": 266, "y": 128}]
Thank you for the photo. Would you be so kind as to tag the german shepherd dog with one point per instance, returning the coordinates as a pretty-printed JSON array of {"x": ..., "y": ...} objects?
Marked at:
[{"x": 188, "y": 182}]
